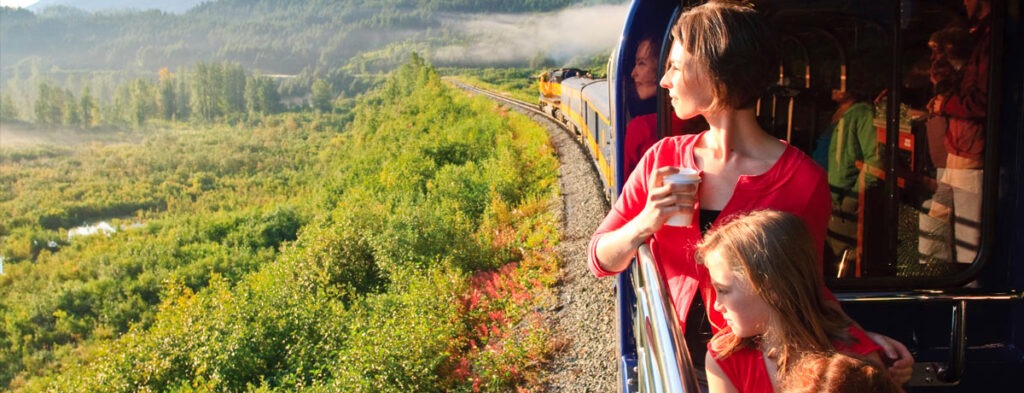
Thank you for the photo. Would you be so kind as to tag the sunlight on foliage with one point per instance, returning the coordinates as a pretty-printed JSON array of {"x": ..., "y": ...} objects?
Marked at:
[{"x": 409, "y": 251}]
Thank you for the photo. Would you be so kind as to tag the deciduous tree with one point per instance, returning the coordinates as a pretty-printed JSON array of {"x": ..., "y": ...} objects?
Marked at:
[{"x": 322, "y": 96}]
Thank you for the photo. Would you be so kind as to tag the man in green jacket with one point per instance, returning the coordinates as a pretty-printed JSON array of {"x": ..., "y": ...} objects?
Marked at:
[{"x": 852, "y": 153}]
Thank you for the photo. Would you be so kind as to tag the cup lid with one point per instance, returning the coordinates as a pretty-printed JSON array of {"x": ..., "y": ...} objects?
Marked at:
[{"x": 685, "y": 174}]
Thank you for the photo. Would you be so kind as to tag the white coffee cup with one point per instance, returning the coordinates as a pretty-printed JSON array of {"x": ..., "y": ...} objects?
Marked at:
[{"x": 685, "y": 176}]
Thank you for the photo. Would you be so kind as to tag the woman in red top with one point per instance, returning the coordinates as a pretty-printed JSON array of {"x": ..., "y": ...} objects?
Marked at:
[
  {"x": 723, "y": 58},
  {"x": 762, "y": 265}
]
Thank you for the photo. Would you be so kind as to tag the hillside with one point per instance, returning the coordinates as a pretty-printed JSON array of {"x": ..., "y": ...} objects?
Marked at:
[
  {"x": 275, "y": 37},
  {"x": 172, "y": 6}
]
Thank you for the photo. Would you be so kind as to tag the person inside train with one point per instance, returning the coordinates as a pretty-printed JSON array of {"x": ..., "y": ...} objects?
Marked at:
[
  {"x": 950, "y": 48},
  {"x": 852, "y": 162},
  {"x": 956, "y": 207},
  {"x": 722, "y": 59},
  {"x": 762, "y": 267},
  {"x": 642, "y": 129}
]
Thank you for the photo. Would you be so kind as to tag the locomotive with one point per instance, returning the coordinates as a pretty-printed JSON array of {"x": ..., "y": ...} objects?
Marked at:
[{"x": 947, "y": 286}]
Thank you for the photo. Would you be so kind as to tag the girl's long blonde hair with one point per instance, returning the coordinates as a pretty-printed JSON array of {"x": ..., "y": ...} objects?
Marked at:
[{"x": 774, "y": 251}]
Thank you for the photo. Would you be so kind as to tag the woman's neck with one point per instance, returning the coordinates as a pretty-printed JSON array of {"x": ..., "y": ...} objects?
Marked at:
[{"x": 733, "y": 132}]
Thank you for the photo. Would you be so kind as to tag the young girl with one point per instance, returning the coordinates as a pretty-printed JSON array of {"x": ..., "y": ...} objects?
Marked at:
[{"x": 763, "y": 268}]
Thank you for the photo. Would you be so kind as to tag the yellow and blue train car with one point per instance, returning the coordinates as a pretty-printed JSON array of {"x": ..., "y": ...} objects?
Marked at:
[{"x": 584, "y": 105}]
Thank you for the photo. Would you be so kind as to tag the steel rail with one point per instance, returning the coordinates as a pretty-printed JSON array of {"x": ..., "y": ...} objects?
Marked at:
[{"x": 663, "y": 359}]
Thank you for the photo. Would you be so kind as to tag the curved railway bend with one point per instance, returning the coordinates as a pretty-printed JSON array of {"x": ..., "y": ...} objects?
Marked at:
[{"x": 584, "y": 317}]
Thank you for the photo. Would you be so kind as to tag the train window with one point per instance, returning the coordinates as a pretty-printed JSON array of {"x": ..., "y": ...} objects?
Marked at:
[{"x": 891, "y": 97}]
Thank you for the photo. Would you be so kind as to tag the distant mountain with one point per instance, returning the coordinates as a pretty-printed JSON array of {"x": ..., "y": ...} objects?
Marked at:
[
  {"x": 171, "y": 6},
  {"x": 335, "y": 40}
]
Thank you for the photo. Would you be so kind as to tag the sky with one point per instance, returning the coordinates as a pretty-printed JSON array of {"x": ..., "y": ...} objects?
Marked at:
[{"x": 17, "y": 3}]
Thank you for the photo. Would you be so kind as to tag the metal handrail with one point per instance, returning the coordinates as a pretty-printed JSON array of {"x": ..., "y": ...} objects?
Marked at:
[
  {"x": 950, "y": 372},
  {"x": 929, "y": 296},
  {"x": 662, "y": 356}
]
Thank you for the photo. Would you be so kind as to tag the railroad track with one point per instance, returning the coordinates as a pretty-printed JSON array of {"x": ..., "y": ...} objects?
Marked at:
[{"x": 526, "y": 106}]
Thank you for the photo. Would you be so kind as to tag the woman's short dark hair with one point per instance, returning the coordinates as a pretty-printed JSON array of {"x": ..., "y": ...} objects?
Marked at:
[{"x": 736, "y": 47}]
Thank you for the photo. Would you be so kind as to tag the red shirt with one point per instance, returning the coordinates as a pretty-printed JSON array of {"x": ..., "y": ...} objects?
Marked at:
[
  {"x": 746, "y": 370},
  {"x": 642, "y": 132},
  {"x": 795, "y": 184},
  {"x": 967, "y": 106}
]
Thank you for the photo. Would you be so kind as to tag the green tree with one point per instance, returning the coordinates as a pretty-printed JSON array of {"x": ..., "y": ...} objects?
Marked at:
[
  {"x": 48, "y": 105},
  {"x": 8, "y": 111},
  {"x": 204, "y": 98},
  {"x": 143, "y": 102},
  {"x": 181, "y": 100},
  {"x": 70, "y": 115},
  {"x": 233, "y": 88},
  {"x": 166, "y": 101},
  {"x": 88, "y": 107},
  {"x": 118, "y": 112},
  {"x": 261, "y": 95},
  {"x": 217, "y": 90},
  {"x": 321, "y": 95}
]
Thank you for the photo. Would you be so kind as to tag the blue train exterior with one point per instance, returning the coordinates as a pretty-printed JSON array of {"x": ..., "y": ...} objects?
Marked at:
[{"x": 962, "y": 319}]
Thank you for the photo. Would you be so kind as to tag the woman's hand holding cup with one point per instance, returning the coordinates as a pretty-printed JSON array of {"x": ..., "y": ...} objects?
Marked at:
[
  {"x": 684, "y": 183},
  {"x": 671, "y": 198}
]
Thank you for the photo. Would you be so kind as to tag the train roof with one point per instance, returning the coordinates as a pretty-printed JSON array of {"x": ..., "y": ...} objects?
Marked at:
[
  {"x": 577, "y": 82},
  {"x": 596, "y": 90},
  {"x": 597, "y": 94}
]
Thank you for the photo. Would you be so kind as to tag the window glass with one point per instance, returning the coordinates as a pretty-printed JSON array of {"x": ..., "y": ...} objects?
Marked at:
[
  {"x": 941, "y": 148},
  {"x": 906, "y": 202}
]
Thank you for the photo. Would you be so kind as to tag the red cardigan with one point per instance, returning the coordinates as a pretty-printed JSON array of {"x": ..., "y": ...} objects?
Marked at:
[{"x": 795, "y": 184}]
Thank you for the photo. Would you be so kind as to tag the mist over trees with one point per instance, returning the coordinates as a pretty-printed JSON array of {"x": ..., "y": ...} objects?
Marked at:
[
  {"x": 205, "y": 92},
  {"x": 271, "y": 37},
  {"x": 116, "y": 67},
  {"x": 175, "y": 6}
]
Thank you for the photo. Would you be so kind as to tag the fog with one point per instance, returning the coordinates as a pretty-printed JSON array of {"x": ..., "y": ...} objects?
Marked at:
[{"x": 517, "y": 38}]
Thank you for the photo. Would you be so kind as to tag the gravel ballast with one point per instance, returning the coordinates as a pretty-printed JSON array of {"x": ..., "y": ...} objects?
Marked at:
[{"x": 584, "y": 316}]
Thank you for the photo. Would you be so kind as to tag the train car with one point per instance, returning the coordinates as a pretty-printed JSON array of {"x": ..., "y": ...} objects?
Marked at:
[
  {"x": 584, "y": 108},
  {"x": 948, "y": 284}
]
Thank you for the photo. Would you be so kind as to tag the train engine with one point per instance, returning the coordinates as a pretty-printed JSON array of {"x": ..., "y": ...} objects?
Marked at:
[{"x": 550, "y": 86}]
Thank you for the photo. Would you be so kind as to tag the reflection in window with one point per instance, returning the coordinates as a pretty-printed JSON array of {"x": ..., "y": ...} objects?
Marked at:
[
  {"x": 910, "y": 206},
  {"x": 958, "y": 72}
]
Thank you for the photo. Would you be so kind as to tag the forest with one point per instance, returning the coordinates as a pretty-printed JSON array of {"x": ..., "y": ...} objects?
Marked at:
[{"x": 303, "y": 253}]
